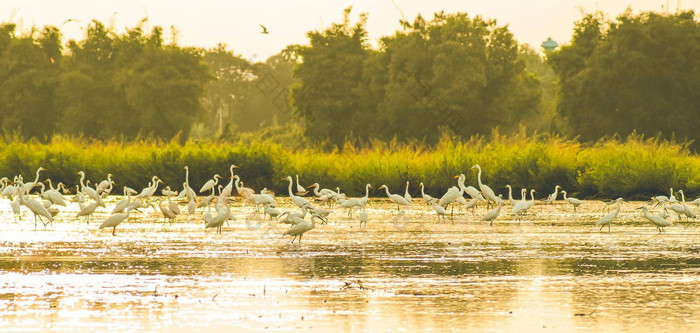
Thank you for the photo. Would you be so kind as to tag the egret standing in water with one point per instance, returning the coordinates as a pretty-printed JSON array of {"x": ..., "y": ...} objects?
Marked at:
[
  {"x": 300, "y": 229},
  {"x": 399, "y": 200},
  {"x": 575, "y": 202},
  {"x": 659, "y": 221},
  {"x": 608, "y": 218},
  {"x": 428, "y": 199},
  {"x": 486, "y": 191},
  {"x": 492, "y": 215},
  {"x": 114, "y": 220}
]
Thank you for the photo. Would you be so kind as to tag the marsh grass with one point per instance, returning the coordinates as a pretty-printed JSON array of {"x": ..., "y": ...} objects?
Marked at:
[{"x": 634, "y": 168}]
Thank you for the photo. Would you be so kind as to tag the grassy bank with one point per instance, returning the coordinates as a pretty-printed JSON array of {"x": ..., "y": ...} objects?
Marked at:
[{"x": 635, "y": 168}]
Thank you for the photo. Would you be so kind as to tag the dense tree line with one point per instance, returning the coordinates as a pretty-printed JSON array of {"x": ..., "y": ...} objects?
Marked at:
[
  {"x": 455, "y": 72},
  {"x": 637, "y": 73},
  {"x": 107, "y": 85}
]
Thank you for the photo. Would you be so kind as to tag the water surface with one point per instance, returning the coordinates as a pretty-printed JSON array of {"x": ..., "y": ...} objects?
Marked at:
[{"x": 403, "y": 272}]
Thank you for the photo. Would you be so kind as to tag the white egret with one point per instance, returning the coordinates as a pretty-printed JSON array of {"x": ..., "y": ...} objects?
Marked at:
[
  {"x": 449, "y": 198},
  {"x": 187, "y": 191},
  {"x": 211, "y": 184},
  {"x": 87, "y": 190},
  {"x": 406, "y": 194},
  {"x": 206, "y": 202},
  {"x": 114, "y": 220},
  {"x": 428, "y": 199},
  {"x": 608, "y": 218},
  {"x": 244, "y": 192},
  {"x": 299, "y": 201},
  {"x": 123, "y": 203},
  {"x": 300, "y": 229},
  {"x": 105, "y": 186},
  {"x": 352, "y": 203},
  {"x": 221, "y": 217},
  {"x": 439, "y": 211},
  {"x": 573, "y": 201},
  {"x": 531, "y": 203},
  {"x": 510, "y": 195},
  {"x": 486, "y": 191},
  {"x": 399, "y": 200},
  {"x": 87, "y": 211},
  {"x": 168, "y": 214},
  {"x": 470, "y": 190},
  {"x": 53, "y": 195},
  {"x": 173, "y": 206},
  {"x": 659, "y": 221},
  {"x": 493, "y": 214},
  {"x": 553, "y": 197},
  {"x": 272, "y": 211},
  {"x": 689, "y": 212},
  {"x": 35, "y": 206},
  {"x": 228, "y": 189},
  {"x": 301, "y": 190},
  {"x": 30, "y": 186},
  {"x": 9, "y": 191},
  {"x": 363, "y": 217},
  {"x": 16, "y": 208},
  {"x": 520, "y": 207},
  {"x": 695, "y": 202}
]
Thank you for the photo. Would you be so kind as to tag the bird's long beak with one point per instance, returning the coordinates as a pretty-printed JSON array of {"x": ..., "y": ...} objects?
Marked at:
[
  {"x": 310, "y": 186},
  {"x": 235, "y": 166},
  {"x": 639, "y": 207},
  {"x": 457, "y": 176},
  {"x": 371, "y": 187}
]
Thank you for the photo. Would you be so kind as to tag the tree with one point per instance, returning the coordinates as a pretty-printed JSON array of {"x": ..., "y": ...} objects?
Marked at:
[
  {"x": 638, "y": 73},
  {"x": 246, "y": 96},
  {"x": 28, "y": 70},
  {"x": 327, "y": 95},
  {"x": 461, "y": 73},
  {"x": 129, "y": 85}
]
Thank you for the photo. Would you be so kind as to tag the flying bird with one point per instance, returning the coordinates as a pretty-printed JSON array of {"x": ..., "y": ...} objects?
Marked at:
[
  {"x": 264, "y": 31},
  {"x": 69, "y": 20}
]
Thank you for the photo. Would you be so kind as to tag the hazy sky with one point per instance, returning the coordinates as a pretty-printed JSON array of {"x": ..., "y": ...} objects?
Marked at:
[{"x": 204, "y": 23}]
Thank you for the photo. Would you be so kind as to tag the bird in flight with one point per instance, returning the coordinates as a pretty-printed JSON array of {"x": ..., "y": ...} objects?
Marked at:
[
  {"x": 264, "y": 31},
  {"x": 69, "y": 20}
]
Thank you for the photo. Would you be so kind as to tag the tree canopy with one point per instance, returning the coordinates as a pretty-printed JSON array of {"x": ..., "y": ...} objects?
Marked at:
[
  {"x": 638, "y": 73},
  {"x": 107, "y": 85},
  {"x": 464, "y": 74}
]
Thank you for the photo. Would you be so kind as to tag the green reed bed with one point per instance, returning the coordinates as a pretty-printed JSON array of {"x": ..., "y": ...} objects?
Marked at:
[{"x": 635, "y": 168}]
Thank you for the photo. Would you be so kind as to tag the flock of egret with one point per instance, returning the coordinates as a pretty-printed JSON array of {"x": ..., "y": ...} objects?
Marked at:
[{"x": 89, "y": 199}]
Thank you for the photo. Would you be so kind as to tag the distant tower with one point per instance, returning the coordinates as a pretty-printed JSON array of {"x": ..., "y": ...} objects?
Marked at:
[{"x": 549, "y": 45}]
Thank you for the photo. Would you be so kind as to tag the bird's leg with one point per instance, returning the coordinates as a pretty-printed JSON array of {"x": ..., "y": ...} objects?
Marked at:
[
  {"x": 601, "y": 227},
  {"x": 609, "y": 225},
  {"x": 452, "y": 212},
  {"x": 114, "y": 230},
  {"x": 299, "y": 242}
]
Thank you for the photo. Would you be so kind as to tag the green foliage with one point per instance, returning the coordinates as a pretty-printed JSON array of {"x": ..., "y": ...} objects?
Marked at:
[
  {"x": 636, "y": 168},
  {"x": 455, "y": 72},
  {"x": 638, "y": 73},
  {"x": 105, "y": 86},
  {"x": 245, "y": 96},
  {"x": 329, "y": 76}
]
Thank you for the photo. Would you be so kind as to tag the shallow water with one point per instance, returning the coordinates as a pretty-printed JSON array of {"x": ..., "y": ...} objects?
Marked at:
[{"x": 403, "y": 272}]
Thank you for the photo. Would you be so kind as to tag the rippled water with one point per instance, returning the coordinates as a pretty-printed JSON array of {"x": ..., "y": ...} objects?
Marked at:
[{"x": 554, "y": 270}]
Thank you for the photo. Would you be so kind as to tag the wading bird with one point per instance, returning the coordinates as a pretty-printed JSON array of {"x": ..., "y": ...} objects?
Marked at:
[
  {"x": 608, "y": 218},
  {"x": 659, "y": 221},
  {"x": 398, "y": 199},
  {"x": 573, "y": 201},
  {"x": 300, "y": 229},
  {"x": 492, "y": 215},
  {"x": 486, "y": 191},
  {"x": 114, "y": 220}
]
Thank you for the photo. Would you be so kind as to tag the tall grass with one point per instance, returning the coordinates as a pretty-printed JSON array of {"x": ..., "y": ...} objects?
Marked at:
[{"x": 635, "y": 168}]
